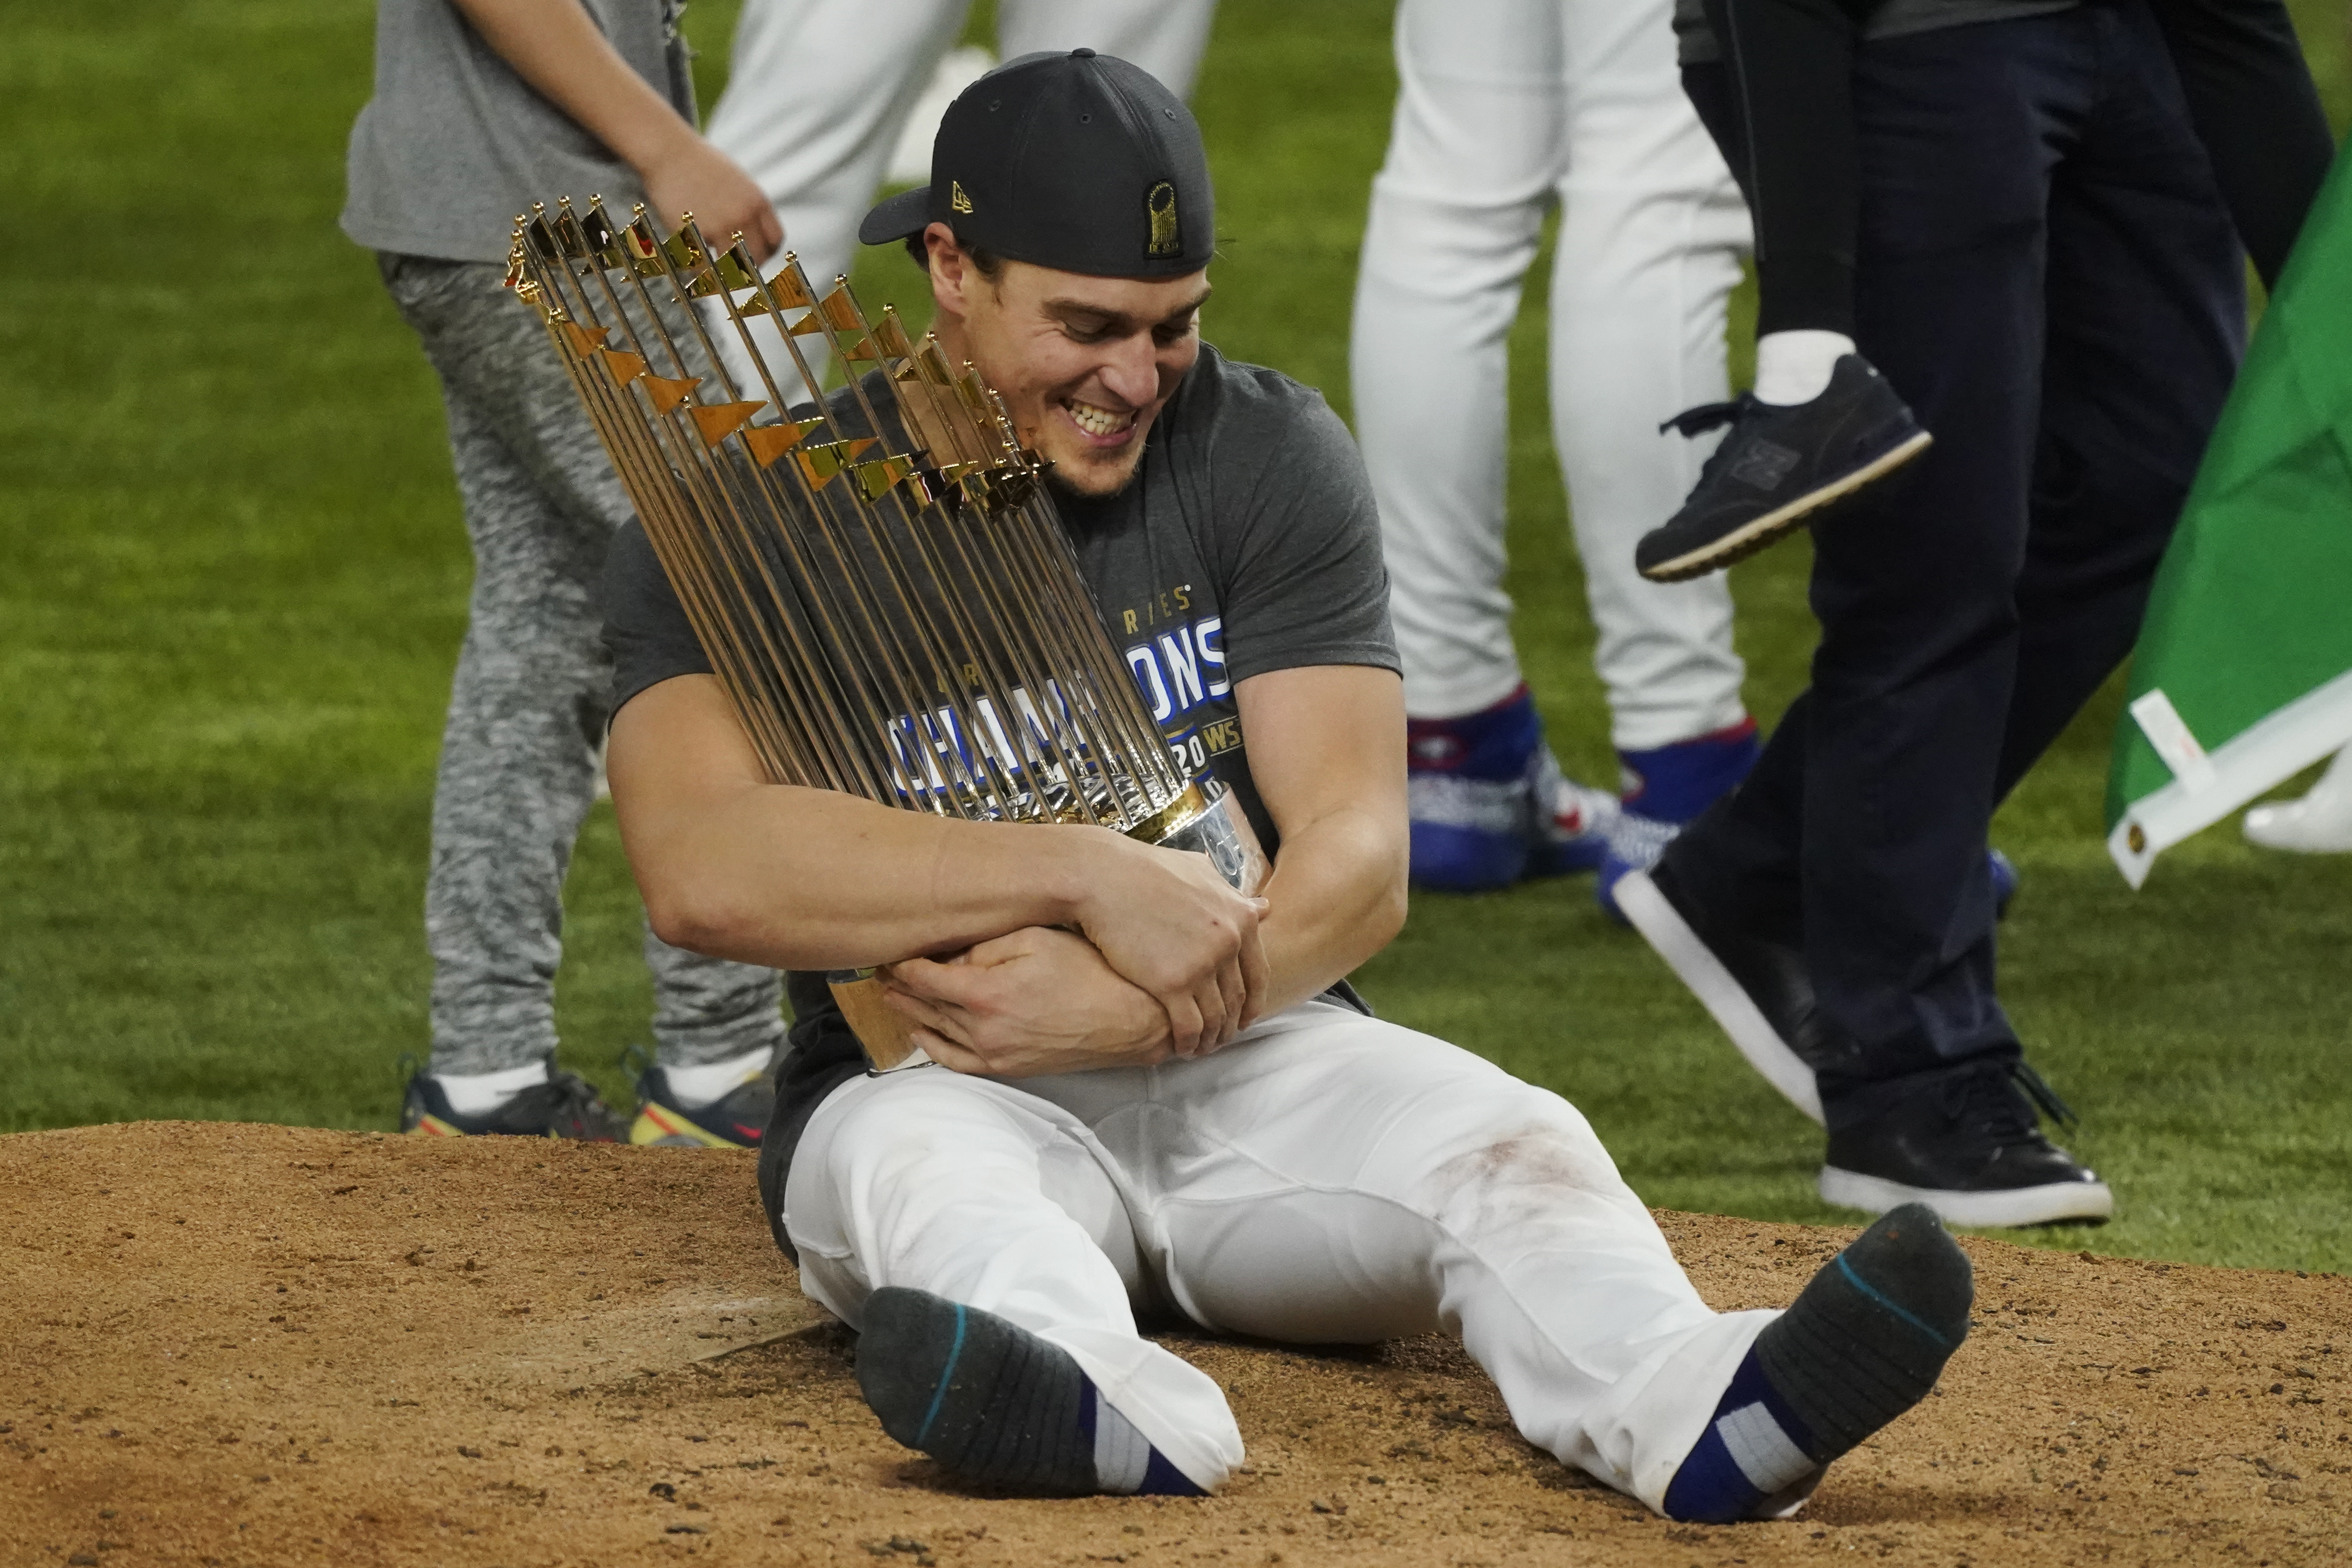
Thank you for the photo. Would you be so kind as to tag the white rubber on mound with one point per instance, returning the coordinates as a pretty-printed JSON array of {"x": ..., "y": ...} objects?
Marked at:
[
  {"x": 2018, "y": 1205},
  {"x": 1726, "y": 1001}
]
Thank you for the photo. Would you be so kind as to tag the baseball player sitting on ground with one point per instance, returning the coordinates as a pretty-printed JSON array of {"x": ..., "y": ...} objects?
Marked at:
[{"x": 1148, "y": 1090}]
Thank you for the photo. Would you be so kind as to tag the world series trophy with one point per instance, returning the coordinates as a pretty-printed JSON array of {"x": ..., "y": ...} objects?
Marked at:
[{"x": 882, "y": 585}]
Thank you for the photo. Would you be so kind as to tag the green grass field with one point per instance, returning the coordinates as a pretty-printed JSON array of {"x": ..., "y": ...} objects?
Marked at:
[{"x": 233, "y": 578}]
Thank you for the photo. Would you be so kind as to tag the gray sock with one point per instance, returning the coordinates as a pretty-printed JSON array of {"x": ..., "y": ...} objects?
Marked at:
[
  {"x": 1867, "y": 1338},
  {"x": 990, "y": 1401},
  {"x": 995, "y": 1404}
]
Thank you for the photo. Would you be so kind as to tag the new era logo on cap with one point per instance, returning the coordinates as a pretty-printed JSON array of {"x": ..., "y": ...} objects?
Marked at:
[{"x": 1041, "y": 160}]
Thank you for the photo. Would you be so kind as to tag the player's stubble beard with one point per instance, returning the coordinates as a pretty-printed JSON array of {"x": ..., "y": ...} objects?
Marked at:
[
  {"x": 1080, "y": 470},
  {"x": 1049, "y": 379},
  {"x": 1098, "y": 486}
]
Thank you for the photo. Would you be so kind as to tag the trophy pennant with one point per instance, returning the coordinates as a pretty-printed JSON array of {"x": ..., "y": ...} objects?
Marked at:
[
  {"x": 717, "y": 421},
  {"x": 769, "y": 442},
  {"x": 895, "y": 613},
  {"x": 666, "y": 393}
]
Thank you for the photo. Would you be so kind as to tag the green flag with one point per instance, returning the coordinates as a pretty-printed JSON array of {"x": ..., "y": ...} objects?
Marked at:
[{"x": 2243, "y": 673}]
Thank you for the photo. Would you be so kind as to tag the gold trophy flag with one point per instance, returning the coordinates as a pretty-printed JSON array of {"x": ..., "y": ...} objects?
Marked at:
[{"x": 880, "y": 582}]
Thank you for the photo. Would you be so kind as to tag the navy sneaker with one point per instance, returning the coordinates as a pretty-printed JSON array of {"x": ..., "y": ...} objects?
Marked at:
[
  {"x": 1780, "y": 466},
  {"x": 1755, "y": 989},
  {"x": 734, "y": 1121},
  {"x": 565, "y": 1106},
  {"x": 1489, "y": 804},
  {"x": 1664, "y": 788}
]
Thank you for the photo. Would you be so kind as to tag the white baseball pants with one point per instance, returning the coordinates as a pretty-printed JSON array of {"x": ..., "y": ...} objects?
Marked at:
[
  {"x": 1328, "y": 1177},
  {"x": 1504, "y": 107},
  {"x": 818, "y": 92}
]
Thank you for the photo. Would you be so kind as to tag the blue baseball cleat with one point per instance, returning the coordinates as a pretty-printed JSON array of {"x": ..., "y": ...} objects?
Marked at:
[
  {"x": 1665, "y": 788},
  {"x": 1490, "y": 807}
]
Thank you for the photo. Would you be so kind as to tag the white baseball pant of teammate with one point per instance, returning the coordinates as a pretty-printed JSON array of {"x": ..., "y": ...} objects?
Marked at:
[
  {"x": 1325, "y": 1178},
  {"x": 818, "y": 92},
  {"x": 1505, "y": 106}
]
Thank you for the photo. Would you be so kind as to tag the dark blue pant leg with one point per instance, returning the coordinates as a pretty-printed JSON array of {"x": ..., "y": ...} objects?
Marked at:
[
  {"x": 2146, "y": 325},
  {"x": 2039, "y": 279},
  {"x": 1962, "y": 131},
  {"x": 1740, "y": 857}
]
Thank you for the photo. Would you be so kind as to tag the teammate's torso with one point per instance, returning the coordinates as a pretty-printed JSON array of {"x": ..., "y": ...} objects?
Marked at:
[{"x": 454, "y": 144}]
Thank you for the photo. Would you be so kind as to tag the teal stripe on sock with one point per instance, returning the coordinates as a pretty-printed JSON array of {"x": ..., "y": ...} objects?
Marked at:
[
  {"x": 1867, "y": 1289},
  {"x": 939, "y": 1395}
]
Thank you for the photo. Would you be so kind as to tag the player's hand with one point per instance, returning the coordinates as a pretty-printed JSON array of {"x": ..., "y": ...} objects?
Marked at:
[
  {"x": 1166, "y": 921},
  {"x": 1032, "y": 1002},
  {"x": 693, "y": 176}
]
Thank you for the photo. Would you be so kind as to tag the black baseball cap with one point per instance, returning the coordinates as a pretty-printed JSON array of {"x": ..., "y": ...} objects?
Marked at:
[{"x": 1080, "y": 162}]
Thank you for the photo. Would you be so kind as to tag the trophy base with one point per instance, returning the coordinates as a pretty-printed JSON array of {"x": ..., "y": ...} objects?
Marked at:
[{"x": 1206, "y": 819}]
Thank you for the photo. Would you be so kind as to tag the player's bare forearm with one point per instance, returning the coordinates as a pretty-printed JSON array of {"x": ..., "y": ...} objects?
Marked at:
[
  {"x": 1326, "y": 751},
  {"x": 805, "y": 878},
  {"x": 1334, "y": 902},
  {"x": 733, "y": 866},
  {"x": 1038, "y": 1001},
  {"x": 557, "y": 47}
]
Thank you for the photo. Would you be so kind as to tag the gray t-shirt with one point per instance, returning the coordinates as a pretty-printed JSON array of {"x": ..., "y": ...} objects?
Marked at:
[
  {"x": 1697, "y": 45},
  {"x": 1247, "y": 543},
  {"x": 455, "y": 144}
]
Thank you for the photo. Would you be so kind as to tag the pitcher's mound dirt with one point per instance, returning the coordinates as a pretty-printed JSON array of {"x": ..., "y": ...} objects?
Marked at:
[{"x": 229, "y": 1344}]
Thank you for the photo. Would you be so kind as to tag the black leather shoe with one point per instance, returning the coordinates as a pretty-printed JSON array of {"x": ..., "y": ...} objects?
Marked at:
[
  {"x": 1754, "y": 988},
  {"x": 1778, "y": 466},
  {"x": 1969, "y": 1146}
]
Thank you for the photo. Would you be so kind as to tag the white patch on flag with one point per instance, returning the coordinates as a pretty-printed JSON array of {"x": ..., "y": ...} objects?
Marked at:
[{"x": 2169, "y": 733}]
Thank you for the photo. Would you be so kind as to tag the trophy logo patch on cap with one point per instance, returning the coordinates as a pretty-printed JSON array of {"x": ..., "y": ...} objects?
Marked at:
[
  {"x": 1160, "y": 202},
  {"x": 956, "y": 198}
]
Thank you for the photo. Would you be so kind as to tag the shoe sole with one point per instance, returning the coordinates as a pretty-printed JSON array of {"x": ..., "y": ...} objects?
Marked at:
[
  {"x": 658, "y": 1126},
  {"x": 1746, "y": 540},
  {"x": 1726, "y": 1001},
  {"x": 2015, "y": 1206}
]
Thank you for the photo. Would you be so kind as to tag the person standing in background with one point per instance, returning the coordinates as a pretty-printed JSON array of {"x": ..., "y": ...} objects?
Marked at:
[
  {"x": 2052, "y": 245},
  {"x": 482, "y": 107},
  {"x": 1816, "y": 430},
  {"x": 1504, "y": 108},
  {"x": 819, "y": 91}
]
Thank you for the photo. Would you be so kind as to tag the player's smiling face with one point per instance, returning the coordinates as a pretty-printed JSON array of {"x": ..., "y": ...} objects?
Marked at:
[{"x": 1083, "y": 364}]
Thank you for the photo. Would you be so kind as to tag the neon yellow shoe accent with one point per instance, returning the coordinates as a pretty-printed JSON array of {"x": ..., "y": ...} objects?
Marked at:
[
  {"x": 658, "y": 1122},
  {"x": 433, "y": 1127}
]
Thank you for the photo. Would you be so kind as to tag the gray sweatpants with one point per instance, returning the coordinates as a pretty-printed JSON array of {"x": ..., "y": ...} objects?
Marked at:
[{"x": 533, "y": 695}]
